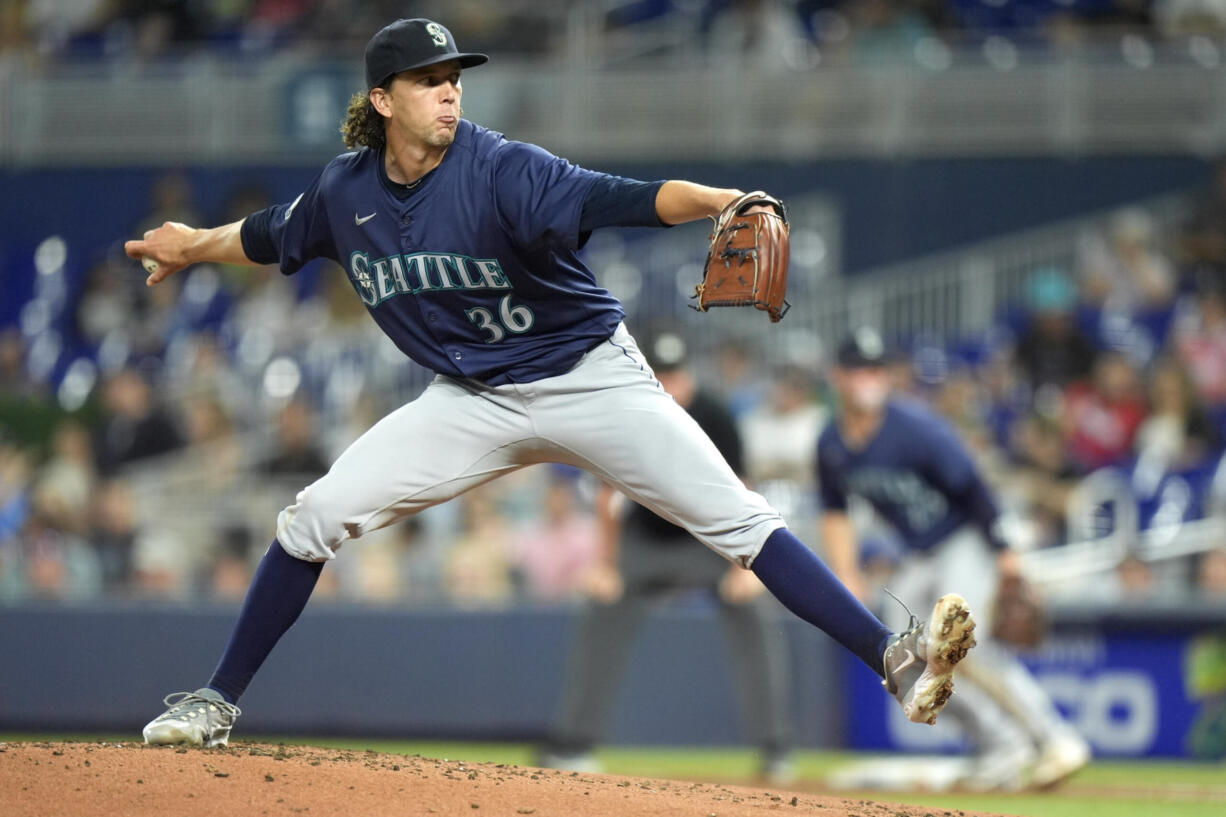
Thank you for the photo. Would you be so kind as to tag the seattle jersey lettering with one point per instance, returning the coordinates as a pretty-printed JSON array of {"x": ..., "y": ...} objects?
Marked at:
[
  {"x": 382, "y": 278},
  {"x": 922, "y": 504}
]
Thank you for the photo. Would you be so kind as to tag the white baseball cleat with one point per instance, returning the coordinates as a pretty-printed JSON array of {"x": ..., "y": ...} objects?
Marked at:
[
  {"x": 1058, "y": 759},
  {"x": 202, "y": 719},
  {"x": 919, "y": 663},
  {"x": 570, "y": 761},
  {"x": 1001, "y": 768}
]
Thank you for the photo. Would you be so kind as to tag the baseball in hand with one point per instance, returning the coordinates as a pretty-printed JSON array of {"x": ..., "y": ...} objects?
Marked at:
[{"x": 150, "y": 265}]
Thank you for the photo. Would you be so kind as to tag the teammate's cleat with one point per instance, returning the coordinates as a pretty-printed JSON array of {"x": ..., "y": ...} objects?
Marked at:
[
  {"x": 1001, "y": 768},
  {"x": 580, "y": 760},
  {"x": 777, "y": 768},
  {"x": 201, "y": 718},
  {"x": 919, "y": 663},
  {"x": 1058, "y": 759}
]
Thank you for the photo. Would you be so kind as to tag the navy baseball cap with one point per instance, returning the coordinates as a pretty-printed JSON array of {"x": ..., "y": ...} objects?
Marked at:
[
  {"x": 413, "y": 43},
  {"x": 863, "y": 349}
]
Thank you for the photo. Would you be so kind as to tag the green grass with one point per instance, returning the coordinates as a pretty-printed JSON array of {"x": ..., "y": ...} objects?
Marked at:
[{"x": 1104, "y": 789}]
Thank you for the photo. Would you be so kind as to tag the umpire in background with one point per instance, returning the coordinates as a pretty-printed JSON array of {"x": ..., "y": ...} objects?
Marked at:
[{"x": 644, "y": 559}]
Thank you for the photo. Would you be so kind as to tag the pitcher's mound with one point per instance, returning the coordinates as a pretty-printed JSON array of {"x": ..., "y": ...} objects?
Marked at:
[{"x": 130, "y": 779}]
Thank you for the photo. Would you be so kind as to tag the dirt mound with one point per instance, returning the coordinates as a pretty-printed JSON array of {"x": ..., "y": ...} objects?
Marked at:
[{"x": 134, "y": 780}]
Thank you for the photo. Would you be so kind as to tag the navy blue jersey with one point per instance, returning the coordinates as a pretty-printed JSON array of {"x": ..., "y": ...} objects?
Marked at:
[
  {"x": 473, "y": 275},
  {"x": 915, "y": 472}
]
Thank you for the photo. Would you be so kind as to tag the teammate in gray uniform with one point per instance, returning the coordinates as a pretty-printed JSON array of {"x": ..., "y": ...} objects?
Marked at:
[
  {"x": 911, "y": 468},
  {"x": 646, "y": 559},
  {"x": 463, "y": 245}
]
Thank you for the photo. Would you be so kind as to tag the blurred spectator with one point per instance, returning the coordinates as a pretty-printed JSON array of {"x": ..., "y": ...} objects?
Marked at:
[
  {"x": 959, "y": 399},
  {"x": 1102, "y": 416},
  {"x": 54, "y": 560},
  {"x": 214, "y": 440},
  {"x": 70, "y": 470},
  {"x": 1052, "y": 350},
  {"x": 781, "y": 435},
  {"x": 326, "y": 20},
  {"x": 27, "y": 415},
  {"x": 231, "y": 568},
  {"x": 14, "y": 41},
  {"x": 201, "y": 369},
  {"x": 114, "y": 533},
  {"x": 134, "y": 426},
  {"x": 559, "y": 550},
  {"x": 14, "y": 510},
  {"x": 1187, "y": 18},
  {"x": 298, "y": 453},
  {"x": 1211, "y": 575},
  {"x": 1202, "y": 238},
  {"x": 1136, "y": 580},
  {"x": 171, "y": 199},
  {"x": 740, "y": 383},
  {"x": 885, "y": 31},
  {"x": 15, "y": 380},
  {"x": 211, "y": 500},
  {"x": 418, "y": 570},
  {"x": 1124, "y": 268},
  {"x": 162, "y": 566},
  {"x": 268, "y": 317},
  {"x": 1200, "y": 343},
  {"x": 55, "y": 22},
  {"x": 761, "y": 34},
  {"x": 1044, "y": 477},
  {"x": 1006, "y": 398},
  {"x": 119, "y": 314},
  {"x": 155, "y": 25},
  {"x": 1177, "y": 433},
  {"x": 478, "y": 571},
  {"x": 108, "y": 300}
]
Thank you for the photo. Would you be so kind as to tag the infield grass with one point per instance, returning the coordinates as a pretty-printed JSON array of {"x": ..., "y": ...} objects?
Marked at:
[{"x": 1104, "y": 789}]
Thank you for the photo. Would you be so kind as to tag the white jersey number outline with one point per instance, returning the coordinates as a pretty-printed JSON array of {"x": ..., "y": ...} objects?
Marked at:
[{"x": 513, "y": 319}]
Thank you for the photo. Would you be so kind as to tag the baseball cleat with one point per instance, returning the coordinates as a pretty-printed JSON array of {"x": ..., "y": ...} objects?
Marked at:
[
  {"x": 202, "y": 719},
  {"x": 1058, "y": 759},
  {"x": 919, "y": 663},
  {"x": 570, "y": 761}
]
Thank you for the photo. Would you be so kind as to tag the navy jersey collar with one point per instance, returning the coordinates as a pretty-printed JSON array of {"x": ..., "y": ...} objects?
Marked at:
[{"x": 403, "y": 191}]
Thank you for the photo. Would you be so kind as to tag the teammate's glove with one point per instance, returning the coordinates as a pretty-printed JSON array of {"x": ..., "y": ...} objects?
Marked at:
[
  {"x": 1018, "y": 618},
  {"x": 747, "y": 264}
]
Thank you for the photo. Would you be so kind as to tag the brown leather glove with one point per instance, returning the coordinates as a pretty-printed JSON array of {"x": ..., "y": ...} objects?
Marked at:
[
  {"x": 747, "y": 264},
  {"x": 1018, "y": 618}
]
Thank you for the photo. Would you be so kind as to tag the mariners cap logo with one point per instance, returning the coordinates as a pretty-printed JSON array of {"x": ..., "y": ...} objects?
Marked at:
[
  {"x": 869, "y": 342},
  {"x": 862, "y": 349},
  {"x": 437, "y": 33}
]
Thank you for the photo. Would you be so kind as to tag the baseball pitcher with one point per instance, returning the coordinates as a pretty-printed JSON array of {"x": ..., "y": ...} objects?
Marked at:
[{"x": 463, "y": 245}]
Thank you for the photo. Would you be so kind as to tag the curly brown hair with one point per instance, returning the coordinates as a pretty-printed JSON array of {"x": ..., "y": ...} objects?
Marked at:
[{"x": 363, "y": 125}]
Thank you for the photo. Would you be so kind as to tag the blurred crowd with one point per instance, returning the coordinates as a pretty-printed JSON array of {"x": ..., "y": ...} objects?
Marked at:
[
  {"x": 795, "y": 33},
  {"x": 154, "y": 463}
]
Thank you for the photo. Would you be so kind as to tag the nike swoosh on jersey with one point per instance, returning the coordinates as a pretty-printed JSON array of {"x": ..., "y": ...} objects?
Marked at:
[{"x": 360, "y": 220}]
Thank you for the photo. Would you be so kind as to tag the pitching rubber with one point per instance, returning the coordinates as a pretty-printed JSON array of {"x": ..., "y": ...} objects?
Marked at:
[{"x": 950, "y": 636}]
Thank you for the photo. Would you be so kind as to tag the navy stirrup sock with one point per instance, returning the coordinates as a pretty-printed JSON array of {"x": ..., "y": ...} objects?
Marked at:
[
  {"x": 280, "y": 589},
  {"x": 808, "y": 588}
]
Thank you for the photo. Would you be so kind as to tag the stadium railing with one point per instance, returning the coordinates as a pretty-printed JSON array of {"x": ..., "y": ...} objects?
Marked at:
[{"x": 1122, "y": 96}]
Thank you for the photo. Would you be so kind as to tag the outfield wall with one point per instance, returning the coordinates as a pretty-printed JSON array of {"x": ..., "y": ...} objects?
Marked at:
[
  {"x": 1139, "y": 682},
  {"x": 355, "y": 671}
]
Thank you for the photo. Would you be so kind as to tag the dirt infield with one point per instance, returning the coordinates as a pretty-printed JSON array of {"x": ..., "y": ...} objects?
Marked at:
[{"x": 129, "y": 779}]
